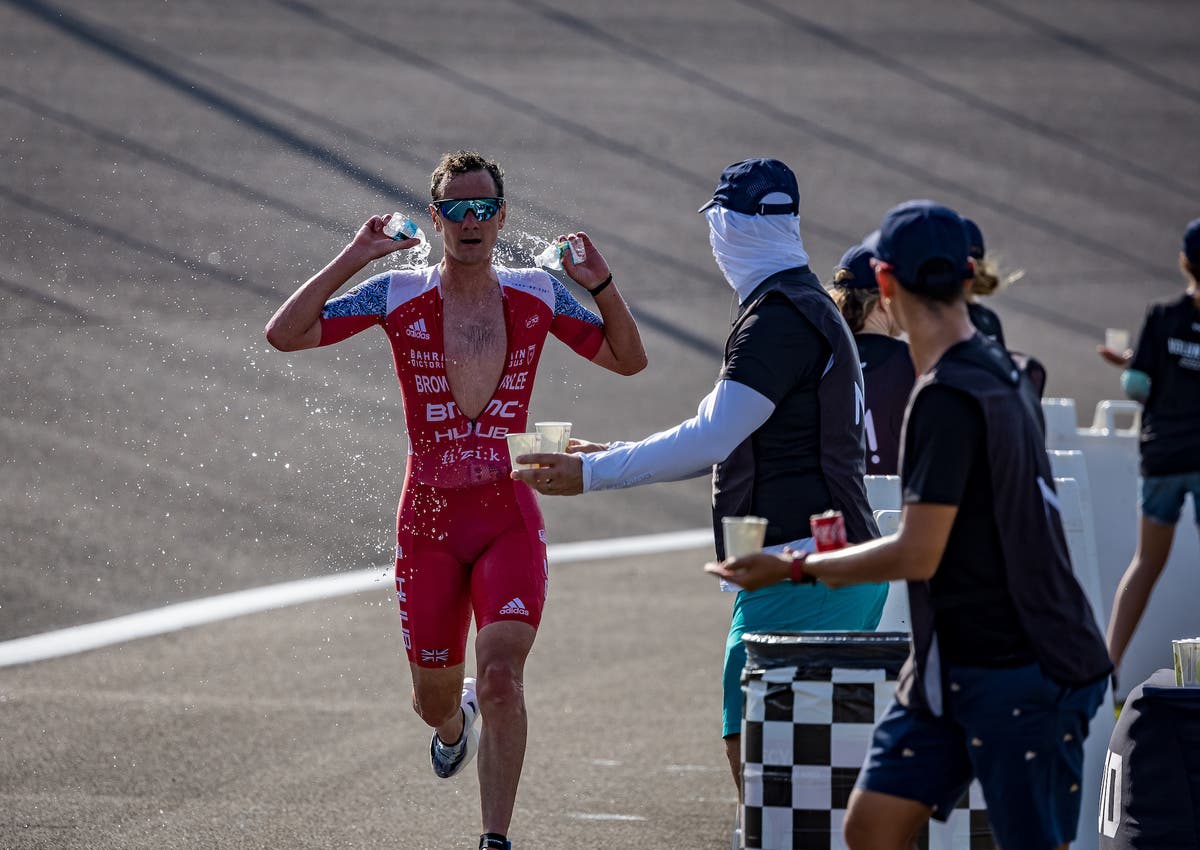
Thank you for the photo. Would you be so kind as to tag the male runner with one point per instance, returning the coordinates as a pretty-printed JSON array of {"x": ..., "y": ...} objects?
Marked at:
[
  {"x": 1007, "y": 664},
  {"x": 466, "y": 337}
]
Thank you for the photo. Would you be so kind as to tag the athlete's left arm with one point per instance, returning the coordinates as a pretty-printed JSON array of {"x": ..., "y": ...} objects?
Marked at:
[
  {"x": 620, "y": 343},
  {"x": 912, "y": 554}
]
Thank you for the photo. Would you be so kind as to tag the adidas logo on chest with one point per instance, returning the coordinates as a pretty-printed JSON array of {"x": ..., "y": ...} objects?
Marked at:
[{"x": 417, "y": 330}]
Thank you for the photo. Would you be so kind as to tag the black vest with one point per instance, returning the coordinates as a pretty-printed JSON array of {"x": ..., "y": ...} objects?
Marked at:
[
  {"x": 1050, "y": 604},
  {"x": 841, "y": 402}
]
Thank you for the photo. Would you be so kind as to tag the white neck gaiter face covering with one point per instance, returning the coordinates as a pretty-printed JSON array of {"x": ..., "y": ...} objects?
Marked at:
[{"x": 750, "y": 248}]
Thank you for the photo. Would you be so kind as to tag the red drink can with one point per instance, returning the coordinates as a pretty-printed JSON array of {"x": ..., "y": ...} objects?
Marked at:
[{"x": 828, "y": 530}]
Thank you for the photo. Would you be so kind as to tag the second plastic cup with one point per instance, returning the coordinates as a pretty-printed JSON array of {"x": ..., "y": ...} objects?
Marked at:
[
  {"x": 1187, "y": 662},
  {"x": 1116, "y": 339},
  {"x": 554, "y": 435},
  {"x": 744, "y": 535},
  {"x": 523, "y": 444}
]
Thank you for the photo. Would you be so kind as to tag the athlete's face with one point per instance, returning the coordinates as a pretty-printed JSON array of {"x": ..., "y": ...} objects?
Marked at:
[{"x": 469, "y": 241}]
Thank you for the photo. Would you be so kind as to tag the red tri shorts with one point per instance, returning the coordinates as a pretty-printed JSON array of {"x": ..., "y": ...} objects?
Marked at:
[{"x": 466, "y": 550}]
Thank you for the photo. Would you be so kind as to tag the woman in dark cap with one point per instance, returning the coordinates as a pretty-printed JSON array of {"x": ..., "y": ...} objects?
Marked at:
[{"x": 887, "y": 366}]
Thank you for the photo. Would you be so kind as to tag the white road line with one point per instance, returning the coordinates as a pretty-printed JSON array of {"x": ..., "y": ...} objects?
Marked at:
[{"x": 197, "y": 612}]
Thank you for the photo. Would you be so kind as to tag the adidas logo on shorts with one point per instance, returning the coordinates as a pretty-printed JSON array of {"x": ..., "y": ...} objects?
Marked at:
[
  {"x": 417, "y": 330},
  {"x": 515, "y": 606}
]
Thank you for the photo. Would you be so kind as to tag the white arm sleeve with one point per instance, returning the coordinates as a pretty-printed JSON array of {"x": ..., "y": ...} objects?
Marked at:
[{"x": 725, "y": 417}]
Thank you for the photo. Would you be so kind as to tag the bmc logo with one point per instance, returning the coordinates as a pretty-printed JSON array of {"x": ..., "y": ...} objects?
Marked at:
[
  {"x": 437, "y": 412},
  {"x": 417, "y": 330},
  {"x": 440, "y": 412},
  {"x": 505, "y": 410}
]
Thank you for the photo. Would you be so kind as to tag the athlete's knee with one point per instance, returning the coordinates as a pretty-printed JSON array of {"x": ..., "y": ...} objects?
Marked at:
[
  {"x": 435, "y": 708},
  {"x": 500, "y": 685}
]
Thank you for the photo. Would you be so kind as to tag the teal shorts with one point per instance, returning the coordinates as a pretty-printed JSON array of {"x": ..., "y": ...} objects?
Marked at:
[{"x": 788, "y": 607}]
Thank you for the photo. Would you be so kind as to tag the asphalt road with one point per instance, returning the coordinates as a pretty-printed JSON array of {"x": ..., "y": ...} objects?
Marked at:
[{"x": 173, "y": 171}]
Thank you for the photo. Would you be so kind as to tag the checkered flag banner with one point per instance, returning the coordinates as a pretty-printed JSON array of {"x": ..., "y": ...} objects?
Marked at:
[{"x": 811, "y": 701}]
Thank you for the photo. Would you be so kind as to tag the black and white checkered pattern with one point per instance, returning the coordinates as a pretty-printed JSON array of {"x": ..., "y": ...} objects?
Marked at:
[{"x": 803, "y": 744}]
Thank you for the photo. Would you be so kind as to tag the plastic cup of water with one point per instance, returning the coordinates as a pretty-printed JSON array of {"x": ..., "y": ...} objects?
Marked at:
[
  {"x": 554, "y": 435},
  {"x": 523, "y": 444},
  {"x": 1187, "y": 662},
  {"x": 744, "y": 535},
  {"x": 1116, "y": 339},
  {"x": 578, "y": 252},
  {"x": 400, "y": 226}
]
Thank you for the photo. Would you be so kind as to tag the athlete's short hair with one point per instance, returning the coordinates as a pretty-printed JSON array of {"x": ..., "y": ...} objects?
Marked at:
[{"x": 464, "y": 162}]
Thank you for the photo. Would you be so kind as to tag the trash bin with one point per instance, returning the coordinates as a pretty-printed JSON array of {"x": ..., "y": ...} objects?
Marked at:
[
  {"x": 810, "y": 705},
  {"x": 1150, "y": 797}
]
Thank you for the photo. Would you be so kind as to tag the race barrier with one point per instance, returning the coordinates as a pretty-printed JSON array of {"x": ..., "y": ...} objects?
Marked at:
[
  {"x": 1110, "y": 456},
  {"x": 811, "y": 702}
]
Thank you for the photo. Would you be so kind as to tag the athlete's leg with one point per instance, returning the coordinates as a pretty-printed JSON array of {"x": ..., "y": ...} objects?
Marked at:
[
  {"x": 435, "y": 699},
  {"x": 500, "y": 651},
  {"x": 1133, "y": 591},
  {"x": 508, "y": 591},
  {"x": 433, "y": 591}
]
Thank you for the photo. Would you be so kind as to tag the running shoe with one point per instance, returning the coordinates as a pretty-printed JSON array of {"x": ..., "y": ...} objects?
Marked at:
[{"x": 449, "y": 759}]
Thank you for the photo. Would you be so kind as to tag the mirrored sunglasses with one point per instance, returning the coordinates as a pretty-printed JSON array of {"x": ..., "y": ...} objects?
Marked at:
[{"x": 455, "y": 209}]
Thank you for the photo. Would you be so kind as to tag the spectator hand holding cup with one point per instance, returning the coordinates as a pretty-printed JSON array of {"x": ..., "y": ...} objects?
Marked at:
[
  {"x": 550, "y": 473},
  {"x": 1116, "y": 347}
]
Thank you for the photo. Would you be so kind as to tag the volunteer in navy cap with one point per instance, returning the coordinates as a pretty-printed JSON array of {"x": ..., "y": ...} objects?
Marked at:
[
  {"x": 782, "y": 431},
  {"x": 1163, "y": 373},
  {"x": 1007, "y": 664},
  {"x": 885, "y": 359}
]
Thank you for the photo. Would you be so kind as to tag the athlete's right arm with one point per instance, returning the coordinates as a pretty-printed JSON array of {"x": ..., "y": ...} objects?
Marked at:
[{"x": 296, "y": 325}]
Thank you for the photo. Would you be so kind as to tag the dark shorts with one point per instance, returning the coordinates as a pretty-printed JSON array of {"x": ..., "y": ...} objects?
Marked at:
[
  {"x": 1015, "y": 730},
  {"x": 1163, "y": 495}
]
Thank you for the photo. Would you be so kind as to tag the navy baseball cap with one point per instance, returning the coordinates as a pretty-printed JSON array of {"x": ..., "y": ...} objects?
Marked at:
[
  {"x": 757, "y": 187},
  {"x": 925, "y": 243},
  {"x": 1191, "y": 242},
  {"x": 974, "y": 239},
  {"x": 856, "y": 261}
]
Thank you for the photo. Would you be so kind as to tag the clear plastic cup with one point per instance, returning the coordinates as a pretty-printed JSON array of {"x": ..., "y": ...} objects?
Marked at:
[
  {"x": 400, "y": 226},
  {"x": 1187, "y": 662},
  {"x": 744, "y": 535},
  {"x": 1116, "y": 339},
  {"x": 554, "y": 435},
  {"x": 578, "y": 252},
  {"x": 523, "y": 444}
]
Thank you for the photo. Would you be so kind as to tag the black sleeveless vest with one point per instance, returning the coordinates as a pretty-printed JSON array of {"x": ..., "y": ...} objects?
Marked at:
[
  {"x": 1050, "y": 604},
  {"x": 841, "y": 400}
]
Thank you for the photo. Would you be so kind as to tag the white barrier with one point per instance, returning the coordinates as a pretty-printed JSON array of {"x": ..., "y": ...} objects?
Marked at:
[
  {"x": 1110, "y": 454},
  {"x": 1076, "y": 520},
  {"x": 883, "y": 493},
  {"x": 895, "y": 616}
]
